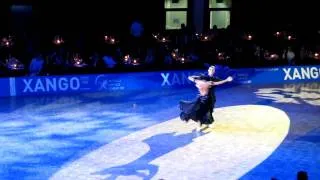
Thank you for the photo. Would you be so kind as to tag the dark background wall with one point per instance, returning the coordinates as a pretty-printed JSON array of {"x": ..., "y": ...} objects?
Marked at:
[
  {"x": 91, "y": 16},
  {"x": 275, "y": 13},
  {"x": 87, "y": 16}
]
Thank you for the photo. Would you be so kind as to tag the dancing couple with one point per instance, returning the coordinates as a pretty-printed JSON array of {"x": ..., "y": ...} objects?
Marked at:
[{"x": 201, "y": 109}]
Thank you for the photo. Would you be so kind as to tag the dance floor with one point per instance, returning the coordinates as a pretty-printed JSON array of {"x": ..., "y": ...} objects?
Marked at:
[{"x": 261, "y": 132}]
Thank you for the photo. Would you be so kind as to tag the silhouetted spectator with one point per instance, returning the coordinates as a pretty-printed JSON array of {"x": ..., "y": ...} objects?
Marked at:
[{"x": 302, "y": 175}]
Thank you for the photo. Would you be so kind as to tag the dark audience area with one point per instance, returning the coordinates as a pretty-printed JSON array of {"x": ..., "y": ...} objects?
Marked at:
[
  {"x": 53, "y": 38},
  {"x": 182, "y": 49}
]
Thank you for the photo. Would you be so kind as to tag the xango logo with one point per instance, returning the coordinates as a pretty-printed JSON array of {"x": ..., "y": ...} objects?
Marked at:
[
  {"x": 301, "y": 73},
  {"x": 51, "y": 84},
  {"x": 181, "y": 78}
]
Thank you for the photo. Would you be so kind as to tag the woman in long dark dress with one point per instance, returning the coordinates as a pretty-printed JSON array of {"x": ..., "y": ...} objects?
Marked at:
[{"x": 199, "y": 110}]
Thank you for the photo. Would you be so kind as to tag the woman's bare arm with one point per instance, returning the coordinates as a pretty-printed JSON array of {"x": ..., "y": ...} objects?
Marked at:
[
  {"x": 229, "y": 79},
  {"x": 193, "y": 78}
]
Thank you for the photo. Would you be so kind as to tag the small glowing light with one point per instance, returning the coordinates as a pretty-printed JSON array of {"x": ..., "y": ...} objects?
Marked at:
[
  {"x": 206, "y": 37},
  {"x": 289, "y": 37},
  {"x": 58, "y": 40},
  {"x": 249, "y": 37},
  {"x": 126, "y": 57},
  {"x": 316, "y": 54},
  {"x": 182, "y": 60}
]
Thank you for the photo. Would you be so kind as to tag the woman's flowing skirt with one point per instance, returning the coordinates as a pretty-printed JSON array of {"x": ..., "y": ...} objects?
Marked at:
[{"x": 197, "y": 110}]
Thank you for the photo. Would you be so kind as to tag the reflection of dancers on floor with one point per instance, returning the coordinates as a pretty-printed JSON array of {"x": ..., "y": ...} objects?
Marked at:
[{"x": 201, "y": 109}]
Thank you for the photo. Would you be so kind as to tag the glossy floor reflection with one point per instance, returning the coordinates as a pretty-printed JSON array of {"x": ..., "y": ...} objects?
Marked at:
[{"x": 261, "y": 132}]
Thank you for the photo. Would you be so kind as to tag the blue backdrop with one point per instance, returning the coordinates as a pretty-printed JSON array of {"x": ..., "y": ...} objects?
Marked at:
[{"x": 18, "y": 86}]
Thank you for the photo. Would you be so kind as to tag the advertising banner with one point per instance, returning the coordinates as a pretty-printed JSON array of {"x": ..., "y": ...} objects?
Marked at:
[{"x": 20, "y": 86}]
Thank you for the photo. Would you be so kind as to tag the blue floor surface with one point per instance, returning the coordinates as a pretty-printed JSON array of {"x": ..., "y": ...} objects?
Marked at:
[{"x": 40, "y": 135}]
